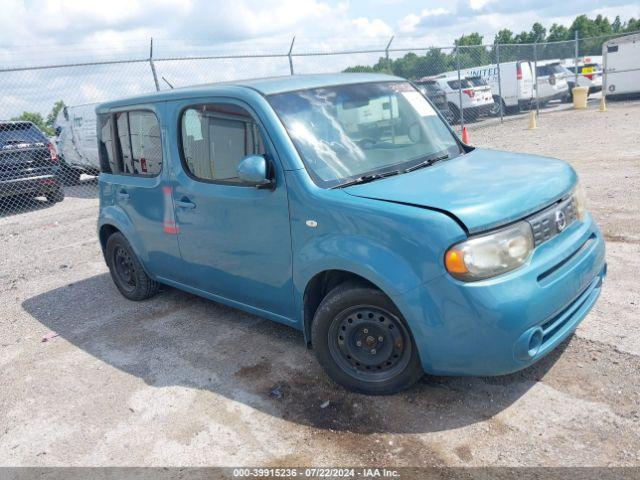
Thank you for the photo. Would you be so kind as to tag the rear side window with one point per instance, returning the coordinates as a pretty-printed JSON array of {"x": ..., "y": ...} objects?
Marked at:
[
  {"x": 137, "y": 149},
  {"x": 105, "y": 144},
  {"x": 16, "y": 134},
  {"x": 215, "y": 139},
  {"x": 455, "y": 85}
]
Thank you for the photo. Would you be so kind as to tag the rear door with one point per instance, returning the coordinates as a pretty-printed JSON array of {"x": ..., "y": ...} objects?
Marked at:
[
  {"x": 525, "y": 78},
  {"x": 136, "y": 184}
]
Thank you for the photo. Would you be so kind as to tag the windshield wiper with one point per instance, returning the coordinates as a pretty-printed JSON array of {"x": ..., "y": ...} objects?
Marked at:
[
  {"x": 426, "y": 163},
  {"x": 370, "y": 178}
]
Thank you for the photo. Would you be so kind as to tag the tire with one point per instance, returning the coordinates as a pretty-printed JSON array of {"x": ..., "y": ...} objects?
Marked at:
[
  {"x": 126, "y": 270},
  {"x": 70, "y": 176},
  {"x": 455, "y": 113},
  {"x": 55, "y": 196},
  {"x": 494, "y": 111},
  {"x": 363, "y": 343}
]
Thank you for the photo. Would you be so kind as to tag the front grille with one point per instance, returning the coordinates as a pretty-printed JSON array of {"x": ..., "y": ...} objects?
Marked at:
[
  {"x": 552, "y": 326},
  {"x": 548, "y": 223}
]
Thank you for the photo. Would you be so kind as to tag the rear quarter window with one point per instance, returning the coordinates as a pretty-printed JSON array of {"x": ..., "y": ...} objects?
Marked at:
[{"x": 130, "y": 143}]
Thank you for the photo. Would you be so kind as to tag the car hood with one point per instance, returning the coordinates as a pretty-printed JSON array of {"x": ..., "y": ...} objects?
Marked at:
[{"x": 483, "y": 189}]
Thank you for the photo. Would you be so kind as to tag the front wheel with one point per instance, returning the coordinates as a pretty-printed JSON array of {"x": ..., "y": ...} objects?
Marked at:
[
  {"x": 363, "y": 343},
  {"x": 455, "y": 113}
]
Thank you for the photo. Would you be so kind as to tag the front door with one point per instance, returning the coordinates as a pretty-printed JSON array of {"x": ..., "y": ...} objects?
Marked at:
[{"x": 234, "y": 239}]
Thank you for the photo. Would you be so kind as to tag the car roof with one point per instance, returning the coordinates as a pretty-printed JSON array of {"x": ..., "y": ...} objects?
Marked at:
[{"x": 265, "y": 86}]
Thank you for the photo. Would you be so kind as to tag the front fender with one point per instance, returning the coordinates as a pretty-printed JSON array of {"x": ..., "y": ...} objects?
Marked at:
[{"x": 378, "y": 264}]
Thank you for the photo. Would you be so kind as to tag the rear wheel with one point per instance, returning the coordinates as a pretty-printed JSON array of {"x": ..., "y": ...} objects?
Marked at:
[
  {"x": 363, "y": 343},
  {"x": 55, "y": 196},
  {"x": 126, "y": 270},
  {"x": 70, "y": 175},
  {"x": 455, "y": 113}
]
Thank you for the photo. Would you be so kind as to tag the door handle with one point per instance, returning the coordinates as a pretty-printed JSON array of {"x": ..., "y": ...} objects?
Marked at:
[
  {"x": 185, "y": 203},
  {"x": 122, "y": 195}
]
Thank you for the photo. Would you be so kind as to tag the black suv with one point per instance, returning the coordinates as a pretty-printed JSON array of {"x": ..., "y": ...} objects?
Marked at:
[
  {"x": 438, "y": 97},
  {"x": 29, "y": 164}
]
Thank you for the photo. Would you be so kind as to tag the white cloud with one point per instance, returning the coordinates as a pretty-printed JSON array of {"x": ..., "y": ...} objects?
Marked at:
[
  {"x": 372, "y": 28},
  {"x": 478, "y": 4}
]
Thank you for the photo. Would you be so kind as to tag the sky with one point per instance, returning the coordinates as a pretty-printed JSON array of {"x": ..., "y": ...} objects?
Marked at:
[{"x": 41, "y": 32}]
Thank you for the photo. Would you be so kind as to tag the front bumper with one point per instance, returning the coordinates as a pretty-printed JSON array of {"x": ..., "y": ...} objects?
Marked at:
[{"x": 507, "y": 323}]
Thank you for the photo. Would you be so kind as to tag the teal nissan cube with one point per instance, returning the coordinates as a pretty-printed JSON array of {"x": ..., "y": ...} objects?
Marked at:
[{"x": 346, "y": 207}]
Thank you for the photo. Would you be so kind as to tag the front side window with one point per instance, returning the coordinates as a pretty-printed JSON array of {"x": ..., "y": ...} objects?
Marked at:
[
  {"x": 348, "y": 131},
  {"x": 215, "y": 139}
]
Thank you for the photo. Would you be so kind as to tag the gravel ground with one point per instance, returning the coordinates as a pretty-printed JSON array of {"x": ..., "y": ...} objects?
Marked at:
[{"x": 179, "y": 380}]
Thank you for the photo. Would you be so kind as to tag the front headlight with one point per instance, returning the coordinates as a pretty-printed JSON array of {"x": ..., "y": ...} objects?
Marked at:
[
  {"x": 580, "y": 201},
  {"x": 492, "y": 254}
]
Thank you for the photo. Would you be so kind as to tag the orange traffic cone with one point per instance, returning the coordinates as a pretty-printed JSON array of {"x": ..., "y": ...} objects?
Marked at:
[{"x": 465, "y": 136}]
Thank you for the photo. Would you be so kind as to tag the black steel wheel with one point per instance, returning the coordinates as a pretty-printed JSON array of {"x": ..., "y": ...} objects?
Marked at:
[
  {"x": 370, "y": 342},
  {"x": 362, "y": 341},
  {"x": 126, "y": 270}
]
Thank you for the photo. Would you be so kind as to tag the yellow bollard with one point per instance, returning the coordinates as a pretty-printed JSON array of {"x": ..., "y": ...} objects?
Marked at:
[
  {"x": 603, "y": 105},
  {"x": 532, "y": 120},
  {"x": 580, "y": 95}
]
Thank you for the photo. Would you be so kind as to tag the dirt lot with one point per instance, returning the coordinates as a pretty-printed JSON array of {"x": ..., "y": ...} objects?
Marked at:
[{"x": 183, "y": 381}]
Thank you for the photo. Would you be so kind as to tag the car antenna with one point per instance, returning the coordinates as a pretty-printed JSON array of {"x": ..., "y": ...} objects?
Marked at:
[{"x": 167, "y": 82}]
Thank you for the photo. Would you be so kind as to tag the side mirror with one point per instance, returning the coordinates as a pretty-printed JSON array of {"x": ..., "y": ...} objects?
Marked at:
[{"x": 254, "y": 170}]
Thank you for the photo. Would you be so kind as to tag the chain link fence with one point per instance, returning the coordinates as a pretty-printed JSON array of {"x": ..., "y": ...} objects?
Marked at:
[{"x": 48, "y": 147}]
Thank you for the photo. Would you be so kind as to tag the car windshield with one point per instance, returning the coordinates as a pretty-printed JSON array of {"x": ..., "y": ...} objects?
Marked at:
[
  {"x": 429, "y": 87},
  {"x": 477, "y": 81},
  {"x": 345, "y": 132},
  {"x": 551, "y": 69},
  {"x": 455, "y": 85}
]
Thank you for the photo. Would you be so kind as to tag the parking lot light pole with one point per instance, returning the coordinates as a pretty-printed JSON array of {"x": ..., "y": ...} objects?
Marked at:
[
  {"x": 535, "y": 69},
  {"x": 459, "y": 88},
  {"x": 575, "y": 59},
  {"x": 386, "y": 52},
  {"x": 290, "y": 55},
  {"x": 499, "y": 81},
  {"x": 153, "y": 67}
]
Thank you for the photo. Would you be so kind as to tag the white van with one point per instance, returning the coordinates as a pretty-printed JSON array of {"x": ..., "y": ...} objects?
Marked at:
[
  {"x": 76, "y": 141},
  {"x": 517, "y": 84},
  {"x": 622, "y": 65}
]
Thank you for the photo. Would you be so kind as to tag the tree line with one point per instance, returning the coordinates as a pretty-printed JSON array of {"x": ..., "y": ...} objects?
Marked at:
[
  {"x": 46, "y": 125},
  {"x": 526, "y": 45}
]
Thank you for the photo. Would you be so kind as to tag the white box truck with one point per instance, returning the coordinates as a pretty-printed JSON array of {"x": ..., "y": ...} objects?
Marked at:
[
  {"x": 622, "y": 65},
  {"x": 76, "y": 142}
]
